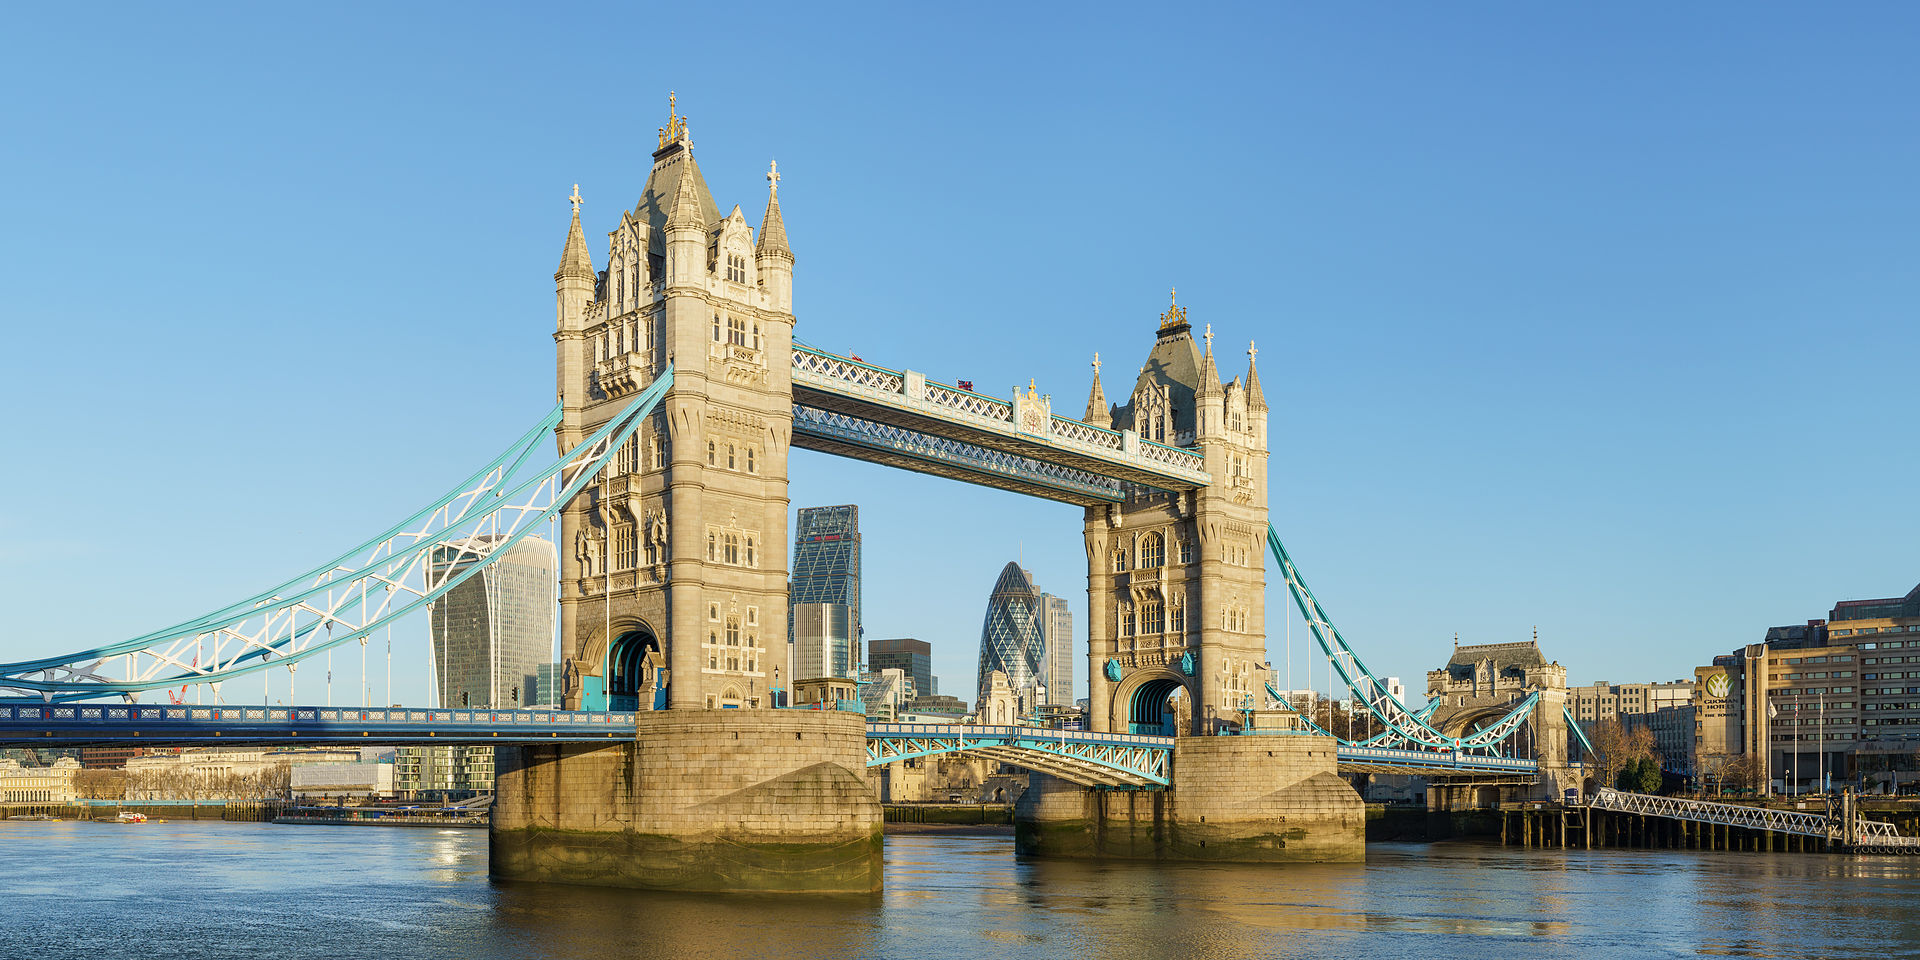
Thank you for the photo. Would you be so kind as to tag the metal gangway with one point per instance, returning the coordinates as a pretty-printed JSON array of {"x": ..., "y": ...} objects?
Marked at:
[{"x": 1861, "y": 834}]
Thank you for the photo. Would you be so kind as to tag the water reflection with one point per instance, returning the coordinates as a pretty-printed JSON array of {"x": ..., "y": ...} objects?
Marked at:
[{"x": 229, "y": 890}]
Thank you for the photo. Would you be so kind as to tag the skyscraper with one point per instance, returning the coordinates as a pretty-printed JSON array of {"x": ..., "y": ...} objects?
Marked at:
[
  {"x": 826, "y": 566},
  {"x": 493, "y": 631},
  {"x": 1056, "y": 629},
  {"x": 1010, "y": 638},
  {"x": 910, "y": 656},
  {"x": 823, "y": 644}
]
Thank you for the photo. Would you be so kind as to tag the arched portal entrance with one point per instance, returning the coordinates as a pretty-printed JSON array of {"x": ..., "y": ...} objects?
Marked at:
[
  {"x": 626, "y": 668},
  {"x": 1157, "y": 708}
]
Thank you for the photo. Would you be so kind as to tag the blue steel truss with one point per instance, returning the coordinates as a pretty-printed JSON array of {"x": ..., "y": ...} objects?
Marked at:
[
  {"x": 71, "y": 724},
  {"x": 1089, "y": 759},
  {"x": 363, "y": 590},
  {"x": 1404, "y": 726}
]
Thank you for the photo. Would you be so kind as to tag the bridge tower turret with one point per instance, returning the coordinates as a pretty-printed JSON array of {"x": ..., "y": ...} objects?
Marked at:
[
  {"x": 1176, "y": 582},
  {"x": 673, "y": 585}
]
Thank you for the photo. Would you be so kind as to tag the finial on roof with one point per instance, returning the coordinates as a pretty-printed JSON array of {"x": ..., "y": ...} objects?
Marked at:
[
  {"x": 773, "y": 176},
  {"x": 575, "y": 197},
  {"x": 1096, "y": 363},
  {"x": 1253, "y": 352},
  {"x": 1176, "y": 315},
  {"x": 1209, "y": 336},
  {"x": 676, "y": 128}
]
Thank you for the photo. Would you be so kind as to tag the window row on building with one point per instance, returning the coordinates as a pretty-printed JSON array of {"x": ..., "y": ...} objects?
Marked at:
[
  {"x": 736, "y": 331},
  {"x": 728, "y": 453},
  {"x": 634, "y": 334},
  {"x": 1150, "y": 553},
  {"x": 733, "y": 546}
]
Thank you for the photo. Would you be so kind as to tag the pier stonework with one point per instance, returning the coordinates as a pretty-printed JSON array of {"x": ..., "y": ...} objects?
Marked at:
[
  {"x": 1244, "y": 799},
  {"x": 700, "y": 800}
]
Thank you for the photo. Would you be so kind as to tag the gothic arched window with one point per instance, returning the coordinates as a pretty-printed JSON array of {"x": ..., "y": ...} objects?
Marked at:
[
  {"x": 750, "y": 468},
  {"x": 1120, "y": 560},
  {"x": 733, "y": 548},
  {"x": 712, "y": 453},
  {"x": 711, "y": 541},
  {"x": 1177, "y": 618},
  {"x": 1150, "y": 617},
  {"x": 1126, "y": 620},
  {"x": 1153, "y": 552}
]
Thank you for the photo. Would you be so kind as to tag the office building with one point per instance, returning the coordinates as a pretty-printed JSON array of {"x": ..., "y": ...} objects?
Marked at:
[
  {"x": 1056, "y": 635},
  {"x": 913, "y": 657},
  {"x": 823, "y": 643},
  {"x": 826, "y": 562},
  {"x": 549, "y": 683},
  {"x": 1010, "y": 637},
  {"x": 493, "y": 631},
  {"x": 1826, "y": 702}
]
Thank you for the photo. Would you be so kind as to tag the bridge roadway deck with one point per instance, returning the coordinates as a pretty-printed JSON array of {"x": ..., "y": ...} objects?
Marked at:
[{"x": 1096, "y": 759}]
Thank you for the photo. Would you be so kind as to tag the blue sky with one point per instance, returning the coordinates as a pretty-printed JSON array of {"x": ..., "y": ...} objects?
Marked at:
[{"x": 1584, "y": 319}]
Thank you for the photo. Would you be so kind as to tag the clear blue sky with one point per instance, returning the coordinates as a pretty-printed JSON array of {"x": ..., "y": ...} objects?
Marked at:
[{"x": 1590, "y": 320}]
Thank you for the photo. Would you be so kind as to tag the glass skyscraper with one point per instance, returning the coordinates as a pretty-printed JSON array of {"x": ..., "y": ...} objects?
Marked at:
[
  {"x": 826, "y": 564},
  {"x": 910, "y": 656},
  {"x": 1010, "y": 638},
  {"x": 493, "y": 631},
  {"x": 823, "y": 644}
]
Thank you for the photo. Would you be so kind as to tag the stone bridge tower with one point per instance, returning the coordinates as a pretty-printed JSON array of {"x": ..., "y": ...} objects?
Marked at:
[
  {"x": 1482, "y": 683},
  {"x": 1176, "y": 581},
  {"x": 674, "y": 563}
]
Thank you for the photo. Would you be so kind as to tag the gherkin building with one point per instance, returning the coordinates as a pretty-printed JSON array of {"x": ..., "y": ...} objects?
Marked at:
[{"x": 1010, "y": 639}]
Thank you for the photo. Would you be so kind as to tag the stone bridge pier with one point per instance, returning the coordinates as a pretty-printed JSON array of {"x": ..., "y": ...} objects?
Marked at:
[
  {"x": 1261, "y": 798},
  {"x": 700, "y": 800}
]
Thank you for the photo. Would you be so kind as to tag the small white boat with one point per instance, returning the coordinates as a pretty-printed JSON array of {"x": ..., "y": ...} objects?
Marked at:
[{"x": 130, "y": 817}]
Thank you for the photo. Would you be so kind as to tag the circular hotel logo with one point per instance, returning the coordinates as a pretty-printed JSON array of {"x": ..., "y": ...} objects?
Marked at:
[{"x": 1717, "y": 686}]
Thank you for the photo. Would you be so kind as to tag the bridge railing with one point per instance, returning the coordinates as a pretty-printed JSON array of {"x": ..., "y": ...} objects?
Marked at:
[
  {"x": 294, "y": 716},
  {"x": 1015, "y": 732},
  {"x": 911, "y": 388}
]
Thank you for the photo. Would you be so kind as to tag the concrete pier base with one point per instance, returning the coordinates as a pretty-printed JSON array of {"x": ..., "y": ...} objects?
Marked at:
[
  {"x": 700, "y": 800},
  {"x": 1244, "y": 799}
]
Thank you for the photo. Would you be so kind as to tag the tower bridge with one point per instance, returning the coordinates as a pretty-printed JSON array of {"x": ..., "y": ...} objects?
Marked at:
[{"x": 681, "y": 392}]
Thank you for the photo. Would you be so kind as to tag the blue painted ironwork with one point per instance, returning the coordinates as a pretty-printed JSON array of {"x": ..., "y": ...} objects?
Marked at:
[
  {"x": 1357, "y": 758},
  {"x": 1578, "y": 733},
  {"x": 1369, "y": 690},
  {"x": 378, "y": 583},
  {"x": 1086, "y": 758},
  {"x": 56, "y": 724}
]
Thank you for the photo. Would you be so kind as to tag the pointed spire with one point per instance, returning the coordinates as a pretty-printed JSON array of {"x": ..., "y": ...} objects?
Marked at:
[
  {"x": 1256, "y": 401},
  {"x": 1209, "y": 373},
  {"x": 575, "y": 262},
  {"x": 1097, "y": 411},
  {"x": 773, "y": 231},
  {"x": 685, "y": 213}
]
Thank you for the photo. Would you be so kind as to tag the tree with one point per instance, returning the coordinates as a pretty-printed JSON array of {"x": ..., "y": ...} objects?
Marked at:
[{"x": 1743, "y": 774}]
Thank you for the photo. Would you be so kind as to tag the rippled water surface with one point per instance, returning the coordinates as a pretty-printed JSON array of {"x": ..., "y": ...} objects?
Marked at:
[{"x": 180, "y": 890}]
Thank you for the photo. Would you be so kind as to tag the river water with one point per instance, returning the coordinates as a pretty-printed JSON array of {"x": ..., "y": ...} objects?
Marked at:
[{"x": 189, "y": 890}]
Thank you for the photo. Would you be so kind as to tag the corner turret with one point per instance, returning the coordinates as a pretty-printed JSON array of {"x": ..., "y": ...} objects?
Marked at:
[
  {"x": 1097, "y": 412},
  {"x": 772, "y": 257}
]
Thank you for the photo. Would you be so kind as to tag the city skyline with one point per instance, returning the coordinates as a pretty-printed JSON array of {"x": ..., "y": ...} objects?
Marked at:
[{"x": 1583, "y": 383}]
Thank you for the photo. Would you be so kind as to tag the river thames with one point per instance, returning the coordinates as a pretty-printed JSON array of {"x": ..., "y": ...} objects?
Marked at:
[{"x": 190, "y": 890}]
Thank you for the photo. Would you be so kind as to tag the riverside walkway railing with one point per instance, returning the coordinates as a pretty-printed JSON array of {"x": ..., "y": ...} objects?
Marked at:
[{"x": 1872, "y": 836}]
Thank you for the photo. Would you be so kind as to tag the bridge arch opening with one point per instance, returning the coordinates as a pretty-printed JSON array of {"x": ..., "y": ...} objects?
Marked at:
[
  {"x": 1158, "y": 707},
  {"x": 627, "y": 668}
]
